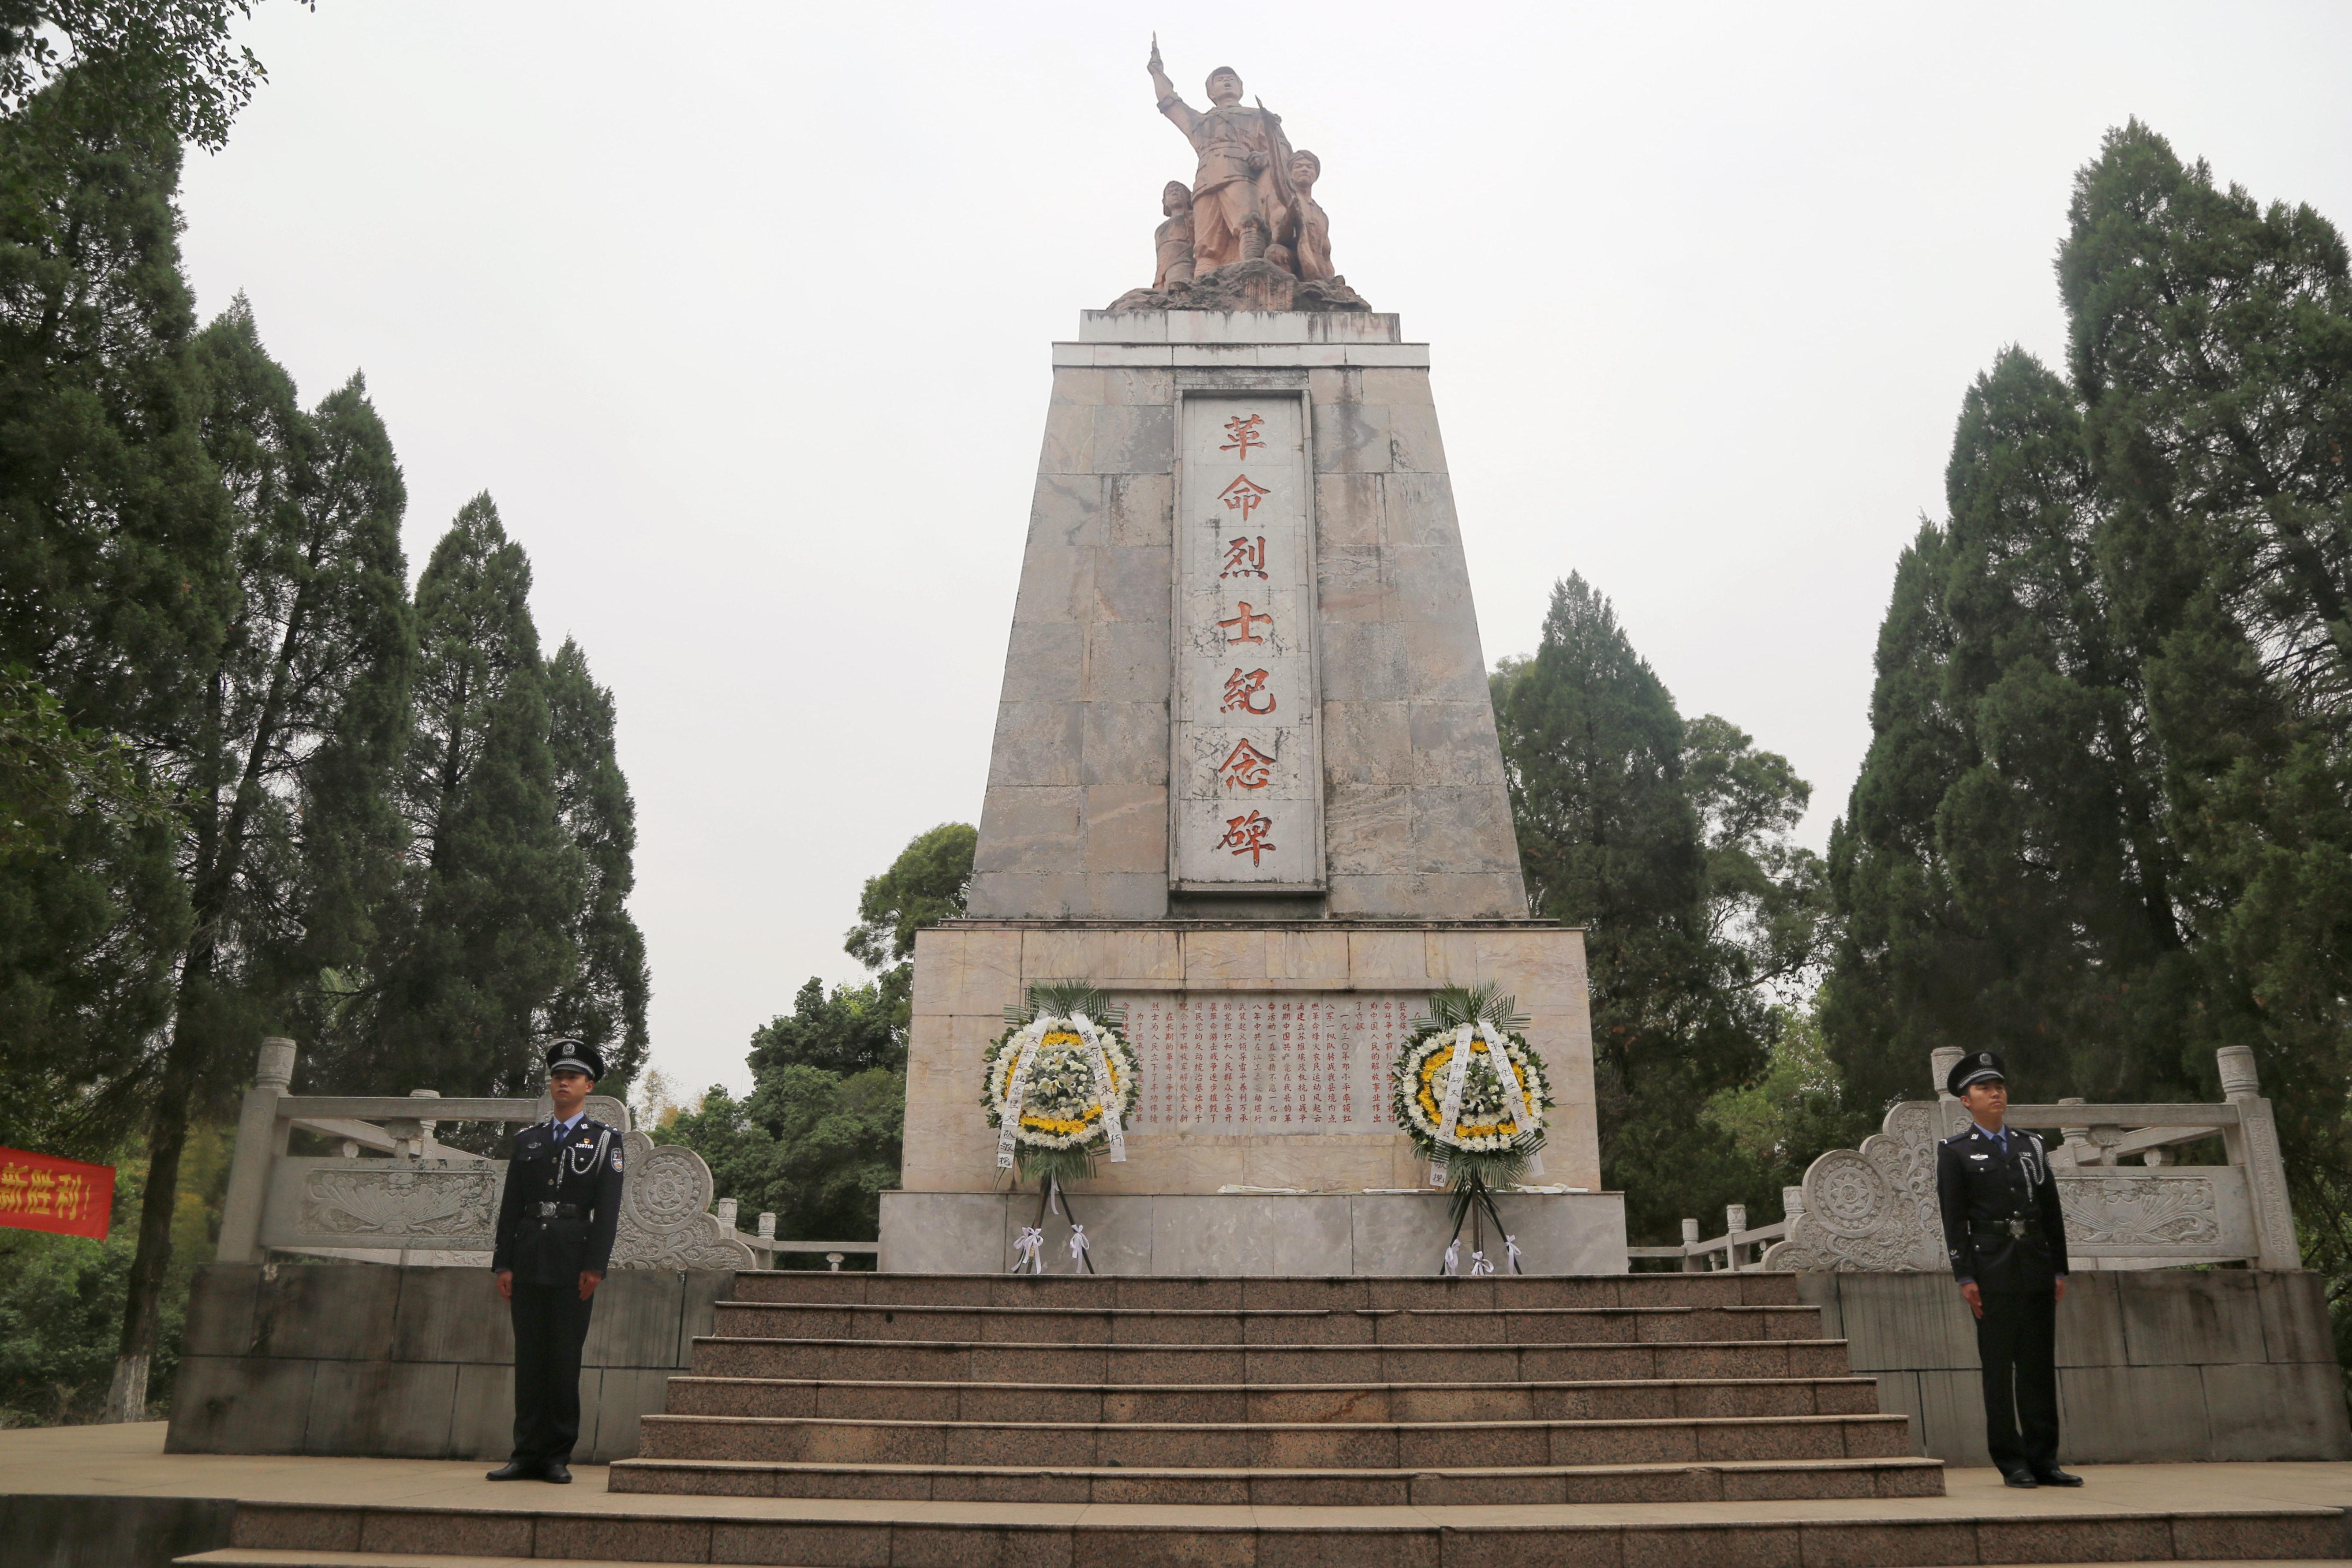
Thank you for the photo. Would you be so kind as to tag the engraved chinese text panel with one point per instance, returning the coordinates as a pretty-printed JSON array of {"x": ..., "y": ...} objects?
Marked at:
[
  {"x": 1246, "y": 791},
  {"x": 1291, "y": 1062}
]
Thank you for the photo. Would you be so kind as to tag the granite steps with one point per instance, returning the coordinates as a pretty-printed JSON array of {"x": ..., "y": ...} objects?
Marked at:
[
  {"x": 1287, "y": 1392},
  {"x": 240, "y": 1557},
  {"x": 821, "y": 1535}
]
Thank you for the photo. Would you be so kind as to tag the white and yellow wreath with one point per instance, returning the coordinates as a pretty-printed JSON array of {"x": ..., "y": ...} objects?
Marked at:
[
  {"x": 1452, "y": 1097},
  {"x": 1061, "y": 1083}
]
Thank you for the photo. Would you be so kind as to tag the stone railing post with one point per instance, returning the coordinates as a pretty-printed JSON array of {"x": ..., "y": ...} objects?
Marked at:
[
  {"x": 2254, "y": 1147},
  {"x": 1692, "y": 1262},
  {"x": 1735, "y": 1221},
  {"x": 1951, "y": 1115},
  {"x": 260, "y": 1140}
]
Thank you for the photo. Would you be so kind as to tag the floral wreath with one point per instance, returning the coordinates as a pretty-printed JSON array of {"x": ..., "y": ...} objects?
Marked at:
[
  {"x": 1454, "y": 1102},
  {"x": 1060, "y": 1083}
]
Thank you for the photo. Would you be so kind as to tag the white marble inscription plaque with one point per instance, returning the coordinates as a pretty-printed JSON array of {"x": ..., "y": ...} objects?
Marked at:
[
  {"x": 1291, "y": 1062},
  {"x": 1247, "y": 788}
]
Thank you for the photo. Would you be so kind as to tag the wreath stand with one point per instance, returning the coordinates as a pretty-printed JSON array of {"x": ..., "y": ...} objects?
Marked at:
[
  {"x": 1049, "y": 1192},
  {"x": 1475, "y": 1201}
]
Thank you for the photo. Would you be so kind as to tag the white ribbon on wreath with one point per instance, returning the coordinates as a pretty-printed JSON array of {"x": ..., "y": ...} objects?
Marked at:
[
  {"x": 1079, "y": 1247},
  {"x": 1457, "y": 1075},
  {"x": 1009, "y": 1125},
  {"x": 1106, "y": 1090},
  {"x": 1029, "y": 1250}
]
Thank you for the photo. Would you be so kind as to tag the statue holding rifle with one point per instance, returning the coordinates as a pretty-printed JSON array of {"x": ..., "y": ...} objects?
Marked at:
[
  {"x": 1236, "y": 182},
  {"x": 1250, "y": 235}
]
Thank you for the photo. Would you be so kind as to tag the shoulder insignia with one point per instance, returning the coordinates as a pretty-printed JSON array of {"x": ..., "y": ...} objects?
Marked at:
[{"x": 616, "y": 1159}]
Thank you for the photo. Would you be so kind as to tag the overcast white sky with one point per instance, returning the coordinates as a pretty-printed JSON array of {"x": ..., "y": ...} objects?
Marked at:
[{"x": 741, "y": 313}]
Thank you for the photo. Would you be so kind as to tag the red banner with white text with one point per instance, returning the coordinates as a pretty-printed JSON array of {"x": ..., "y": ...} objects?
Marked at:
[{"x": 41, "y": 1192}]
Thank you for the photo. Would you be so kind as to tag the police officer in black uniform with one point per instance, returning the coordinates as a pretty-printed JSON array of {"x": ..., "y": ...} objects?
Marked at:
[
  {"x": 2006, "y": 1240},
  {"x": 556, "y": 1221}
]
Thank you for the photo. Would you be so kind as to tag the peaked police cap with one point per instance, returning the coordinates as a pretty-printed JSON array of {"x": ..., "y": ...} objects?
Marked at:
[
  {"x": 571, "y": 1056},
  {"x": 1975, "y": 1068}
]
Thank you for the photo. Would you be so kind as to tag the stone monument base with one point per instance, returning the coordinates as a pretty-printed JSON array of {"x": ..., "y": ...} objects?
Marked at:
[
  {"x": 1266, "y": 1049},
  {"x": 1316, "y": 1235}
]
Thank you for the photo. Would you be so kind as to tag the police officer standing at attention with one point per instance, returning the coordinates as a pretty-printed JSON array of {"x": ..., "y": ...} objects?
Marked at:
[
  {"x": 556, "y": 1221},
  {"x": 2007, "y": 1239}
]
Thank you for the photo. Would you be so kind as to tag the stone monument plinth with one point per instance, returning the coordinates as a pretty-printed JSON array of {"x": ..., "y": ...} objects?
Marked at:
[{"x": 1245, "y": 778}]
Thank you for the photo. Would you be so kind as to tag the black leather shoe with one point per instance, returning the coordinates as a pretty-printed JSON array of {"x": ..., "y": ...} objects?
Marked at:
[
  {"x": 2021, "y": 1479},
  {"x": 560, "y": 1474},
  {"x": 514, "y": 1470},
  {"x": 2054, "y": 1477}
]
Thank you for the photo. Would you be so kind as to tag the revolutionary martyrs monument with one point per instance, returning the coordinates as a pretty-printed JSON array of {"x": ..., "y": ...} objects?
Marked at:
[{"x": 1245, "y": 778}]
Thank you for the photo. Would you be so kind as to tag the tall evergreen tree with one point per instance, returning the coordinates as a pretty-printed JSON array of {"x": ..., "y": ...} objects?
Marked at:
[
  {"x": 1612, "y": 840},
  {"x": 477, "y": 942},
  {"x": 2002, "y": 868},
  {"x": 113, "y": 575},
  {"x": 2211, "y": 343},
  {"x": 301, "y": 713},
  {"x": 604, "y": 1002}
]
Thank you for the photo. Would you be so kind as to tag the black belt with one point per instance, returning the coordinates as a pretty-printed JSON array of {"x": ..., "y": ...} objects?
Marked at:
[
  {"x": 2018, "y": 1225},
  {"x": 558, "y": 1211}
]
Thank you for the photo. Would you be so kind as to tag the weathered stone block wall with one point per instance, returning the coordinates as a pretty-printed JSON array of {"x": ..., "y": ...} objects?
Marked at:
[
  {"x": 1076, "y": 820},
  {"x": 2153, "y": 1364},
  {"x": 415, "y": 1363}
]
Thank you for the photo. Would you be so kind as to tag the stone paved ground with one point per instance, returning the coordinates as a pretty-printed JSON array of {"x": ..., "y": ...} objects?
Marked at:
[{"x": 130, "y": 1460}]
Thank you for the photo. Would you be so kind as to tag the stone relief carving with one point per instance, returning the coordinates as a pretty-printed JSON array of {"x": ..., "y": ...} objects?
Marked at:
[
  {"x": 1872, "y": 1208},
  {"x": 665, "y": 1221},
  {"x": 450, "y": 1208},
  {"x": 2142, "y": 1210}
]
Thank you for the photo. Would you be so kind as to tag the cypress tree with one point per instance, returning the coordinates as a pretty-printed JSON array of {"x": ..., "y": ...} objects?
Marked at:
[
  {"x": 299, "y": 712},
  {"x": 2002, "y": 868},
  {"x": 604, "y": 1002},
  {"x": 114, "y": 577},
  {"x": 2212, "y": 342},
  {"x": 478, "y": 941},
  {"x": 1610, "y": 840}
]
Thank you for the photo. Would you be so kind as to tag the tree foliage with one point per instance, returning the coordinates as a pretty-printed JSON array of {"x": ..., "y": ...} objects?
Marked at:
[
  {"x": 925, "y": 884},
  {"x": 1669, "y": 843},
  {"x": 509, "y": 921},
  {"x": 172, "y": 57}
]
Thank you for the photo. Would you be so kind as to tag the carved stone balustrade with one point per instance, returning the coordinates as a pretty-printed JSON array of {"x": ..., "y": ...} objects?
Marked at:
[
  {"x": 428, "y": 1202},
  {"x": 1874, "y": 1208}
]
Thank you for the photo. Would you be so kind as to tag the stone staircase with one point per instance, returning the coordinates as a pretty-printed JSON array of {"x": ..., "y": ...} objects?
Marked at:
[
  {"x": 1298, "y": 1393},
  {"x": 867, "y": 1421}
]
